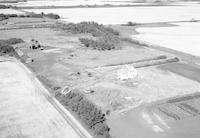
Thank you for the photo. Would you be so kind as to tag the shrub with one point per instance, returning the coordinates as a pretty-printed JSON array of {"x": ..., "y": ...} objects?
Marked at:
[
  {"x": 49, "y": 15},
  {"x": 52, "y": 15},
  {"x": 34, "y": 15},
  {"x": 3, "y": 17},
  {"x": 10, "y": 41},
  {"x": 132, "y": 24},
  {"x": 22, "y": 15},
  {"x": 13, "y": 41},
  {"x": 7, "y": 50},
  {"x": 5, "y": 47},
  {"x": 12, "y": 15},
  {"x": 107, "y": 38},
  {"x": 88, "y": 27},
  {"x": 100, "y": 129},
  {"x": 97, "y": 44},
  {"x": 4, "y": 7},
  {"x": 6, "y": 16},
  {"x": 89, "y": 113}
]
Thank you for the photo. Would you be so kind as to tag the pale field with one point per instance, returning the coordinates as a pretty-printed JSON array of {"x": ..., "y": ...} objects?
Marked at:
[
  {"x": 184, "y": 37},
  {"x": 10, "y": 11},
  {"x": 69, "y": 3},
  {"x": 91, "y": 2},
  {"x": 25, "y": 111},
  {"x": 121, "y": 15}
]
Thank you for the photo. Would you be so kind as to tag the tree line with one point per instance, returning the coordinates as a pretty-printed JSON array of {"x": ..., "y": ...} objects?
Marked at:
[
  {"x": 90, "y": 114},
  {"x": 31, "y": 15}
]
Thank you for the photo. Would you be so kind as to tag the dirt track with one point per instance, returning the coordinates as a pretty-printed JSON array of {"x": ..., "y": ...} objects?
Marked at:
[{"x": 25, "y": 111}]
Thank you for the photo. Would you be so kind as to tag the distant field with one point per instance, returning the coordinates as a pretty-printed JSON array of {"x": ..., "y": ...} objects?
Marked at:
[
  {"x": 135, "y": 14},
  {"x": 68, "y": 3},
  {"x": 183, "y": 37},
  {"x": 31, "y": 3},
  {"x": 10, "y": 11}
]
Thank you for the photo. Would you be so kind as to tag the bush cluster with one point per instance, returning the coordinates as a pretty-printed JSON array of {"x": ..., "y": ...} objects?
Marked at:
[
  {"x": 89, "y": 113},
  {"x": 107, "y": 38},
  {"x": 3, "y": 17},
  {"x": 89, "y": 27},
  {"x": 132, "y": 23},
  {"x": 4, "y": 6},
  {"x": 10, "y": 41},
  {"x": 5, "y": 47},
  {"x": 31, "y": 15},
  {"x": 9, "y": 50},
  {"x": 7, "y": 16},
  {"x": 96, "y": 44},
  {"x": 52, "y": 16},
  {"x": 48, "y": 15}
]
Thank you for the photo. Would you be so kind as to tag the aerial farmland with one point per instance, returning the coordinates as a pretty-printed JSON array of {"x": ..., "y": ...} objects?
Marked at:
[{"x": 101, "y": 69}]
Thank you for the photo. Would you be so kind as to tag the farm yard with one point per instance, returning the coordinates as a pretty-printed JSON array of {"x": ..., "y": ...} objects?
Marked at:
[
  {"x": 79, "y": 64},
  {"x": 64, "y": 62}
]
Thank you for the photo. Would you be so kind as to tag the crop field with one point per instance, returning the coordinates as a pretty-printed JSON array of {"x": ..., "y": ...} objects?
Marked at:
[{"x": 179, "y": 108}]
